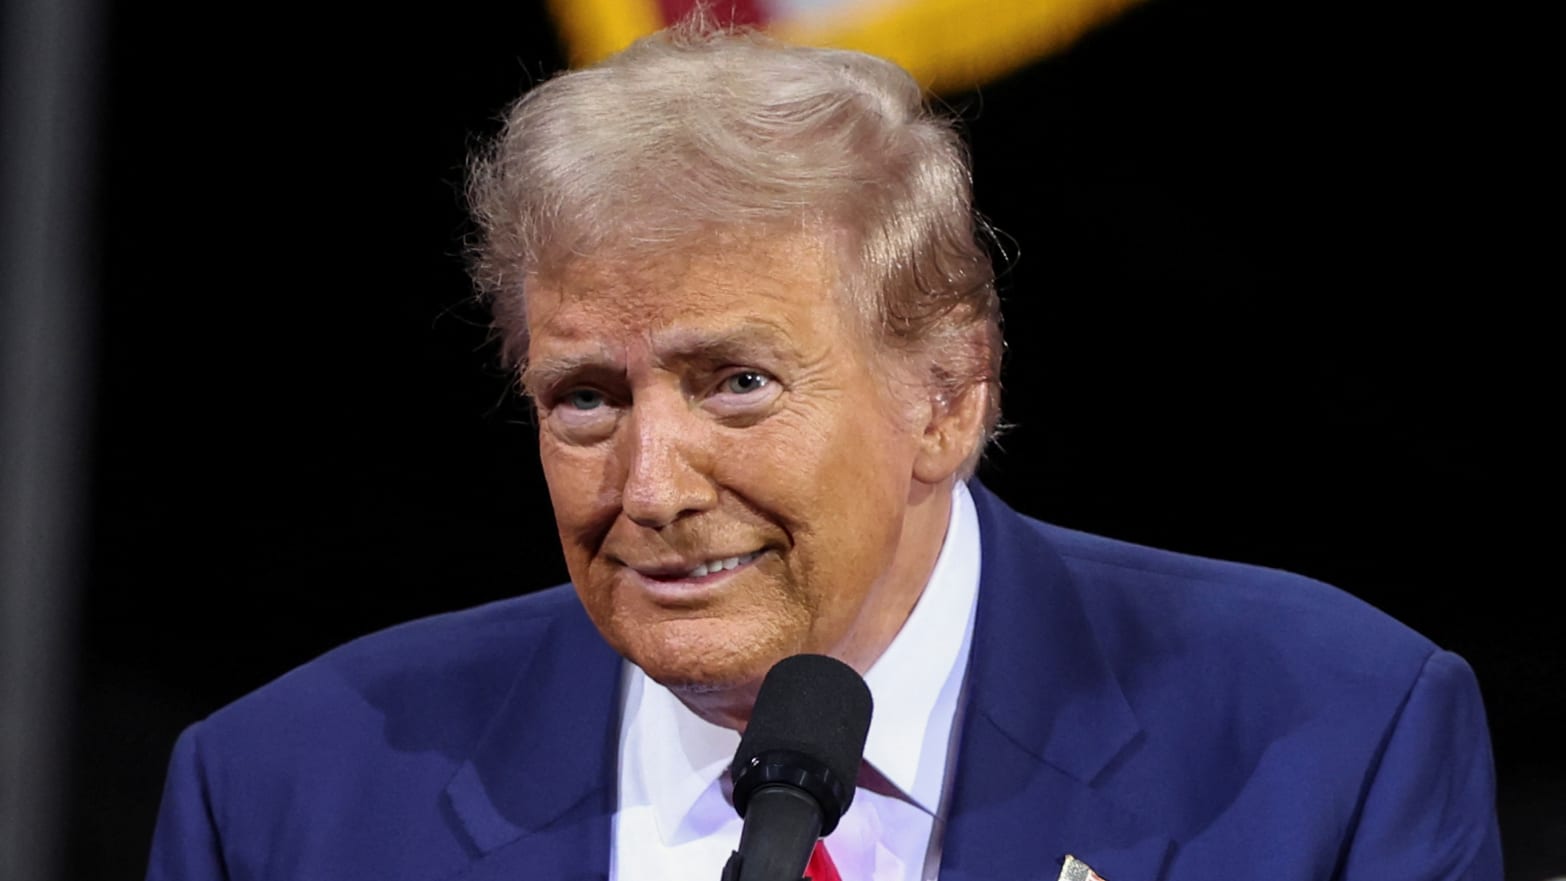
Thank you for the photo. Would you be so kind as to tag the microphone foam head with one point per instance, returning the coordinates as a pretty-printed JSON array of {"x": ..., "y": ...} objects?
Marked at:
[{"x": 807, "y": 729}]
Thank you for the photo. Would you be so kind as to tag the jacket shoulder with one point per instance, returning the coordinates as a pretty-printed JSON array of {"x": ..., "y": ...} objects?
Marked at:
[
  {"x": 386, "y": 717},
  {"x": 457, "y": 661},
  {"x": 338, "y": 766},
  {"x": 1165, "y": 597}
]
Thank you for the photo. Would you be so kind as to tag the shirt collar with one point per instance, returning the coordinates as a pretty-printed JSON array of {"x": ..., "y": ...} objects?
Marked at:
[
  {"x": 676, "y": 756},
  {"x": 917, "y": 681}
]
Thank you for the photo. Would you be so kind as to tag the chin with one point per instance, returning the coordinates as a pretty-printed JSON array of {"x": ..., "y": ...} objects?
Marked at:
[{"x": 704, "y": 659}]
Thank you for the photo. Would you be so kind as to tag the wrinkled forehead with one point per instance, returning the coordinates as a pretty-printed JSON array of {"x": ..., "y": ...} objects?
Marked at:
[{"x": 758, "y": 271}]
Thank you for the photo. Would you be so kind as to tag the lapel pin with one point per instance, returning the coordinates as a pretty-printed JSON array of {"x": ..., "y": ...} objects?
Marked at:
[{"x": 1076, "y": 870}]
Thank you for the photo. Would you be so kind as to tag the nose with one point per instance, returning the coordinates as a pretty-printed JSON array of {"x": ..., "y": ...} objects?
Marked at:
[{"x": 667, "y": 476}]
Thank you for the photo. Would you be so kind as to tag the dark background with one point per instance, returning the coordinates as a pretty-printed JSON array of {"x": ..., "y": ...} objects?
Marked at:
[{"x": 1258, "y": 311}]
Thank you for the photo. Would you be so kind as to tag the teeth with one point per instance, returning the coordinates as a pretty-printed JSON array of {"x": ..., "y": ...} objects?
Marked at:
[{"x": 724, "y": 564}]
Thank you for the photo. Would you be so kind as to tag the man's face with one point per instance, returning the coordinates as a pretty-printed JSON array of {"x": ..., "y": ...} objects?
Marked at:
[{"x": 731, "y": 473}]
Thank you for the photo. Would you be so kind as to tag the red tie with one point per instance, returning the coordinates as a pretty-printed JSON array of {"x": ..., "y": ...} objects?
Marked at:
[{"x": 820, "y": 867}]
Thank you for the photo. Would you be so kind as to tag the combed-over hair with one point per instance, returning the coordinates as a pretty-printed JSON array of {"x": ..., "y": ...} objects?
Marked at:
[{"x": 701, "y": 128}]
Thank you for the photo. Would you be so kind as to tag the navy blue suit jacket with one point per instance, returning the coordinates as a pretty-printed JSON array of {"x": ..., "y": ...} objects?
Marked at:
[{"x": 1158, "y": 716}]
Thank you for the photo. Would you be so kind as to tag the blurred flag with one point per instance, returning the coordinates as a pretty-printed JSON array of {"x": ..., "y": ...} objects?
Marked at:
[{"x": 948, "y": 45}]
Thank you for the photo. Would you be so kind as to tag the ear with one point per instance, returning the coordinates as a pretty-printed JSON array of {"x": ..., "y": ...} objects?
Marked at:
[{"x": 952, "y": 432}]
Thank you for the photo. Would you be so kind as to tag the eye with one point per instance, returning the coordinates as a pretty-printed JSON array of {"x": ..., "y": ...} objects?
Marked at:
[
  {"x": 744, "y": 396},
  {"x": 582, "y": 414},
  {"x": 583, "y": 399},
  {"x": 745, "y": 382}
]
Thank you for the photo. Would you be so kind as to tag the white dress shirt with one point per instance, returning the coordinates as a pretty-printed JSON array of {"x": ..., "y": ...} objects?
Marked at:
[{"x": 673, "y": 822}]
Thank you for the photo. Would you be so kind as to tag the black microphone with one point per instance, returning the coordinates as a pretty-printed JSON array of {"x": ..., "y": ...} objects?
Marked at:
[{"x": 795, "y": 768}]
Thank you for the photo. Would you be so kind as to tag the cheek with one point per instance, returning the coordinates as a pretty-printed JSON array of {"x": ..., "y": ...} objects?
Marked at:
[
  {"x": 821, "y": 470},
  {"x": 853, "y": 448},
  {"x": 839, "y": 487},
  {"x": 578, "y": 482}
]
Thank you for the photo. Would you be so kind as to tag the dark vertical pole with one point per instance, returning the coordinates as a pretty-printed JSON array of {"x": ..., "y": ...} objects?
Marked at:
[{"x": 48, "y": 80}]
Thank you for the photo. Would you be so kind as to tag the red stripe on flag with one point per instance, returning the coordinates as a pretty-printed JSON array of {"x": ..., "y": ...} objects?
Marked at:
[{"x": 726, "y": 11}]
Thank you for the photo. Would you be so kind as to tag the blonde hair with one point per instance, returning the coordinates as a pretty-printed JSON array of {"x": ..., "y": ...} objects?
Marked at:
[{"x": 700, "y": 128}]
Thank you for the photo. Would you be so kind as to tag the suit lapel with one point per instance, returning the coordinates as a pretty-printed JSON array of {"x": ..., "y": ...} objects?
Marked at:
[
  {"x": 536, "y": 797},
  {"x": 1045, "y": 716}
]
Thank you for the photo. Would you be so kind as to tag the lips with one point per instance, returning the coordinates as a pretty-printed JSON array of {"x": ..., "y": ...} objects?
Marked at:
[{"x": 686, "y": 571}]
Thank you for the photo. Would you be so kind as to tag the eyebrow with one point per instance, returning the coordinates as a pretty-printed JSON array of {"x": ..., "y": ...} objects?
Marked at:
[
  {"x": 550, "y": 372},
  {"x": 738, "y": 345}
]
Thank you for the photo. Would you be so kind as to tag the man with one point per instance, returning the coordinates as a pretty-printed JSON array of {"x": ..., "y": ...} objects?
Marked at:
[{"x": 742, "y": 284}]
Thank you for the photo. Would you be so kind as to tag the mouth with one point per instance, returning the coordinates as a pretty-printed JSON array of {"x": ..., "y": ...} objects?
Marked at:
[
  {"x": 712, "y": 567},
  {"x": 704, "y": 572}
]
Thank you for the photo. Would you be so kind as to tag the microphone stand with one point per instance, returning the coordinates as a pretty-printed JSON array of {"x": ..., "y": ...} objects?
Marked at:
[{"x": 791, "y": 818}]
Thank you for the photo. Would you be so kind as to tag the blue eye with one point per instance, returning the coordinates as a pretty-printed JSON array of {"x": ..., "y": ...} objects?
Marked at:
[
  {"x": 745, "y": 382},
  {"x": 584, "y": 399}
]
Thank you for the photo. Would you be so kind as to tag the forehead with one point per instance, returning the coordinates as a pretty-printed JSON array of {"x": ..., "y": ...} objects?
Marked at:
[{"x": 786, "y": 283}]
